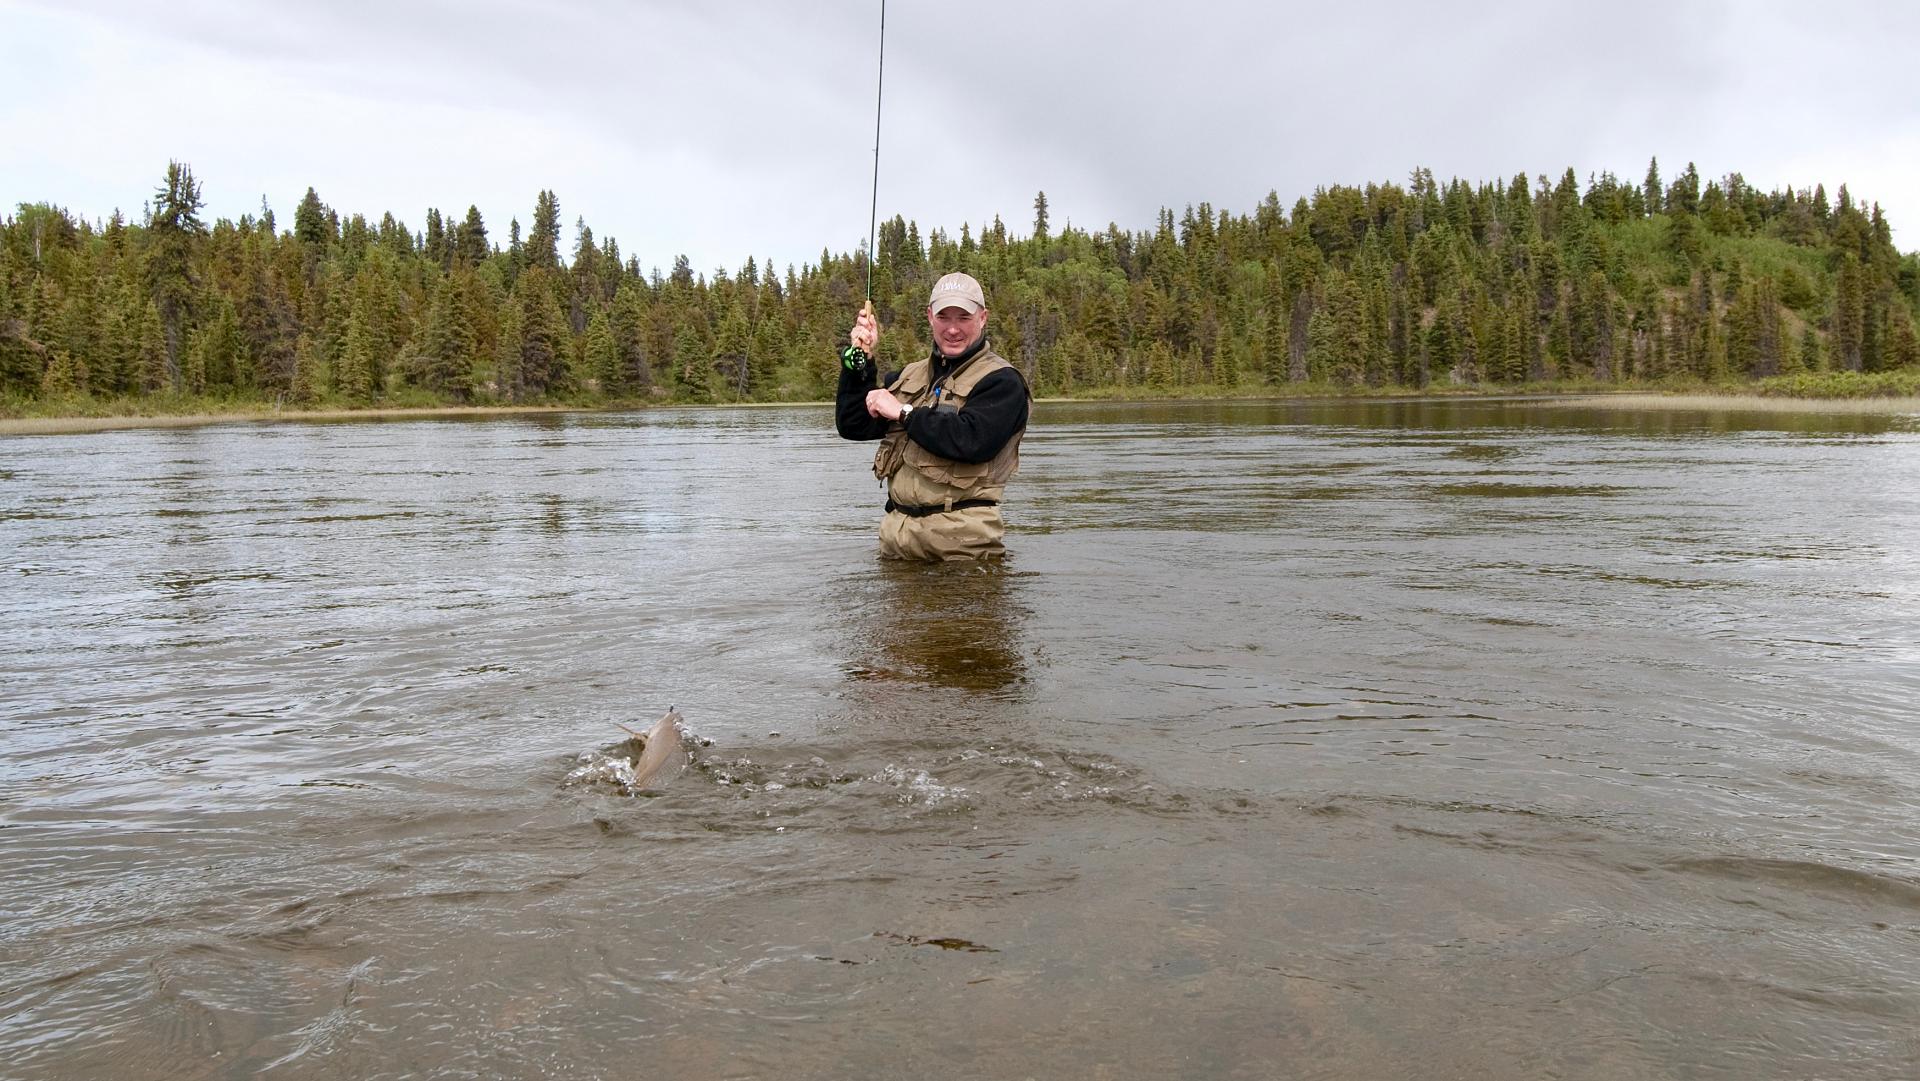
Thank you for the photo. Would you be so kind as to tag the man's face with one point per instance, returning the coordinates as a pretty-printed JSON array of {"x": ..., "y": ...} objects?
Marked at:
[{"x": 955, "y": 329}]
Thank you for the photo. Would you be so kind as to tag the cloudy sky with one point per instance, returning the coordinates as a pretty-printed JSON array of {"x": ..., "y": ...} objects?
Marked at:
[{"x": 733, "y": 128}]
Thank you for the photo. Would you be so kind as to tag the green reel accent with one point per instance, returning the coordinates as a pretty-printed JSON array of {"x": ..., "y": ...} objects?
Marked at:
[{"x": 854, "y": 359}]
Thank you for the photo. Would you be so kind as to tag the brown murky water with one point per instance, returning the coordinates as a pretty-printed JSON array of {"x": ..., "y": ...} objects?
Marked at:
[{"x": 1481, "y": 740}]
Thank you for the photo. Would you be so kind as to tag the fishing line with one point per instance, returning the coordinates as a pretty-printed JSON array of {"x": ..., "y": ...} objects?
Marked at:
[{"x": 873, "y": 212}]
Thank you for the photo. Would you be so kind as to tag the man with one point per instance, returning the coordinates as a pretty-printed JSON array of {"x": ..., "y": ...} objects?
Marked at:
[{"x": 949, "y": 428}]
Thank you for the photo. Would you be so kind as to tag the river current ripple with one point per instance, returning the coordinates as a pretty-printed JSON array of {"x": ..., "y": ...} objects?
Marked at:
[{"x": 1486, "y": 739}]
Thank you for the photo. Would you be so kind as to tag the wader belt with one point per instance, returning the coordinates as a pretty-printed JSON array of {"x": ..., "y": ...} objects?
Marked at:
[{"x": 939, "y": 508}]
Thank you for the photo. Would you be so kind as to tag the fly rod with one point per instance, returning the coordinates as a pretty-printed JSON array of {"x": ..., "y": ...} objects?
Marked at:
[
  {"x": 850, "y": 356},
  {"x": 873, "y": 209}
]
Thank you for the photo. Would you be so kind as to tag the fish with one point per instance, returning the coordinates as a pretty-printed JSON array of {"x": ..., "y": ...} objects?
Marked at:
[{"x": 663, "y": 751}]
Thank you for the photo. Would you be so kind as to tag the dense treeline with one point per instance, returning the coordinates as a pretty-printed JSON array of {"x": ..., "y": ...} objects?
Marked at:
[{"x": 1494, "y": 284}]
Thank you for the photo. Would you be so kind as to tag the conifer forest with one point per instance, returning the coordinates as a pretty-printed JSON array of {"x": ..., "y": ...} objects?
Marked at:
[{"x": 1417, "y": 286}]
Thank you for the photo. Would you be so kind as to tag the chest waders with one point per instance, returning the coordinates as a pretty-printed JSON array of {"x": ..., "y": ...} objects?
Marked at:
[{"x": 939, "y": 508}]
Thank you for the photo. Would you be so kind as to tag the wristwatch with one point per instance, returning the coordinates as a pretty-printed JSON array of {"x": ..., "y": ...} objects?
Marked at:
[{"x": 904, "y": 410}]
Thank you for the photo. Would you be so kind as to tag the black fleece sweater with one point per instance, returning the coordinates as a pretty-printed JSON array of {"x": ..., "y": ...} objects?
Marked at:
[{"x": 975, "y": 432}]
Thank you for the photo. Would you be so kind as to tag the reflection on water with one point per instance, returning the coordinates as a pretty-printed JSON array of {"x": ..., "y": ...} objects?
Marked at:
[
  {"x": 952, "y": 627},
  {"x": 1302, "y": 739}
]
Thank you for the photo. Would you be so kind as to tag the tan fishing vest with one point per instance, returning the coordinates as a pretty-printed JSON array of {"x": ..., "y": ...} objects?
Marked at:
[{"x": 918, "y": 477}]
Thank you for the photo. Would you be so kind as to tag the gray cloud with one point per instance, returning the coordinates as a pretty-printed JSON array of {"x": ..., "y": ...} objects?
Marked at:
[{"x": 731, "y": 129}]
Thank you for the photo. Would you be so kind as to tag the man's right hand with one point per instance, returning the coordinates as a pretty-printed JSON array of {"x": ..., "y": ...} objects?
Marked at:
[{"x": 865, "y": 334}]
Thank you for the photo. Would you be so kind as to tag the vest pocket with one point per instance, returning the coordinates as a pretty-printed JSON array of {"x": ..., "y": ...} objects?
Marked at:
[
  {"x": 893, "y": 451},
  {"x": 963, "y": 475}
]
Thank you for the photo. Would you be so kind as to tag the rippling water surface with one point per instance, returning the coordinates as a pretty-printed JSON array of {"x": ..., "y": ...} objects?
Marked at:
[{"x": 1486, "y": 740}]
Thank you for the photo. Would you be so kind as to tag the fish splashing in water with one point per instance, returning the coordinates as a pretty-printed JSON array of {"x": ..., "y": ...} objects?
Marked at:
[{"x": 646, "y": 760}]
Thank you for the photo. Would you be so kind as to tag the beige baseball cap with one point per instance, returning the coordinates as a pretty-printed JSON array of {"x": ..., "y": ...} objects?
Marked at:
[{"x": 957, "y": 290}]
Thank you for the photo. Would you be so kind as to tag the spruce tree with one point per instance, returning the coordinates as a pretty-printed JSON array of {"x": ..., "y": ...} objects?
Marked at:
[
  {"x": 584, "y": 276},
  {"x": 64, "y": 377},
  {"x": 1273, "y": 367},
  {"x": 628, "y": 322},
  {"x": 1299, "y": 334},
  {"x": 1560, "y": 345},
  {"x": 1442, "y": 344},
  {"x": 600, "y": 354},
  {"x": 308, "y": 374},
  {"x": 732, "y": 349},
  {"x": 224, "y": 363},
  {"x": 437, "y": 246},
  {"x": 544, "y": 338},
  {"x": 114, "y": 349},
  {"x": 471, "y": 244},
  {"x": 1902, "y": 340},
  {"x": 692, "y": 368},
  {"x": 1811, "y": 357},
  {"x": 310, "y": 223},
  {"x": 543, "y": 242},
  {"x": 446, "y": 345},
  {"x": 174, "y": 232},
  {"x": 1848, "y": 324},
  {"x": 355, "y": 379},
  {"x": 151, "y": 363}
]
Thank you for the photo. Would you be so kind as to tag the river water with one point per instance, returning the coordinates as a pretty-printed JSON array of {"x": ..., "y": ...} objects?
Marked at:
[{"x": 1396, "y": 740}]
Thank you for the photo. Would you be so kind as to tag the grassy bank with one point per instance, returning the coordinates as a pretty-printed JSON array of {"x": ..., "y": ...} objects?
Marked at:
[
  {"x": 84, "y": 413},
  {"x": 1805, "y": 392},
  {"x": 1751, "y": 403}
]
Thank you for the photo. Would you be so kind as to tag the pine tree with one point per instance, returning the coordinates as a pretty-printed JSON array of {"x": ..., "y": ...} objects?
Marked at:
[
  {"x": 1559, "y": 346},
  {"x": 508, "y": 382},
  {"x": 543, "y": 242},
  {"x": 1512, "y": 364},
  {"x": 223, "y": 362},
  {"x": 266, "y": 322},
  {"x": 470, "y": 245},
  {"x": 175, "y": 232},
  {"x": 1160, "y": 366},
  {"x": 114, "y": 349},
  {"x": 310, "y": 224},
  {"x": 600, "y": 354},
  {"x": 1300, "y": 334},
  {"x": 544, "y": 337},
  {"x": 151, "y": 365},
  {"x": 1273, "y": 365},
  {"x": 731, "y": 351},
  {"x": 586, "y": 292},
  {"x": 1683, "y": 197},
  {"x": 193, "y": 369},
  {"x": 692, "y": 368},
  {"x": 1713, "y": 350},
  {"x": 1337, "y": 336},
  {"x": 1402, "y": 332},
  {"x": 627, "y": 321},
  {"x": 1226, "y": 359},
  {"x": 1442, "y": 344},
  {"x": 1683, "y": 240},
  {"x": 308, "y": 374},
  {"x": 1812, "y": 357},
  {"x": 355, "y": 378},
  {"x": 1902, "y": 341},
  {"x": 65, "y": 376},
  {"x": 1848, "y": 327},
  {"x": 436, "y": 243},
  {"x": 446, "y": 346}
]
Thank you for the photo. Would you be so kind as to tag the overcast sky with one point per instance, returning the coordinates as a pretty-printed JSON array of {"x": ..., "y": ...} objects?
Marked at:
[{"x": 727, "y": 129}]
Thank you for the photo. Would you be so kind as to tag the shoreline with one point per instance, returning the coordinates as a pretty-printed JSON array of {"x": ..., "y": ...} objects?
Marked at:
[
  {"x": 1709, "y": 402},
  {"x": 1739, "y": 403},
  {"x": 81, "y": 424}
]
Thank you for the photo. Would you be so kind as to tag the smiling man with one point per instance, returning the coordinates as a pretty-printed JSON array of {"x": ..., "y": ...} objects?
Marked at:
[{"x": 949, "y": 428}]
